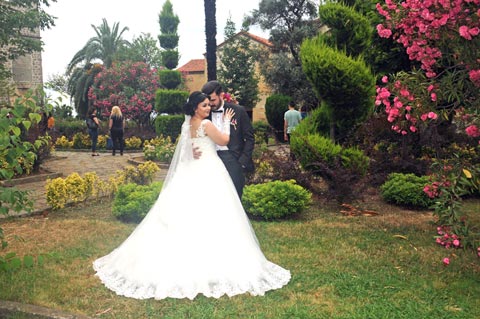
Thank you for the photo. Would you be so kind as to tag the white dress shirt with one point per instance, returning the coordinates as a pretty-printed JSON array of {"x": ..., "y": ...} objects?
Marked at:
[{"x": 217, "y": 120}]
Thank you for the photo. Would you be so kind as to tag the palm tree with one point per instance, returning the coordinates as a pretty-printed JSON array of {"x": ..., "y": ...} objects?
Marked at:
[
  {"x": 104, "y": 47},
  {"x": 211, "y": 32},
  {"x": 79, "y": 82}
]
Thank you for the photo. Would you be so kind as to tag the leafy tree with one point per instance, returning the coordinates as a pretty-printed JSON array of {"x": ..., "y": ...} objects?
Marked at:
[
  {"x": 17, "y": 19},
  {"x": 211, "y": 41},
  {"x": 289, "y": 22},
  {"x": 104, "y": 47},
  {"x": 169, "y": 38},
  {"x": 341, "y": 78},
  {"x": 237, "y": 69},
  {"x": 142, "y": 49},
  {"x": 131, "y": 86},
  {"x": 80, "y": 81}
]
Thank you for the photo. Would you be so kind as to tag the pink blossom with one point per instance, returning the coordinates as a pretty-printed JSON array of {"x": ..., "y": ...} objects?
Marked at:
[
  {"x": 472, "y": 131},
  {"x": 432, "y": 115},
  {"x": 433, "y": 96},
  {"x": 423, "y": 117},
  {"x": 383, "y": 32},
  {"x": 413, "y": 128},
  {"x": 463, "y": 30},
  {"x": 446, "y": 261},
  {"x": 456, "y": 243},
  {"x": 430, "y": 87},
  {"x": 384, "y": 79}
]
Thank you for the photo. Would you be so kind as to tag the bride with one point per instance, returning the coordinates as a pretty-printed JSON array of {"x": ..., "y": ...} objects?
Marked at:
[{"x": 196, "y": 239}]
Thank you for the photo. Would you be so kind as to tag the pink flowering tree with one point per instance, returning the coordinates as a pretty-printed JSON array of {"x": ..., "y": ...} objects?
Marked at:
[
  {"x": 443, "y": 38},
  {"x": 131, "y": 86}
]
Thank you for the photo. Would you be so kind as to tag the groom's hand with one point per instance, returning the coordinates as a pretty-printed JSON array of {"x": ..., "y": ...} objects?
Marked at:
[{"x": 196, "y": 152}]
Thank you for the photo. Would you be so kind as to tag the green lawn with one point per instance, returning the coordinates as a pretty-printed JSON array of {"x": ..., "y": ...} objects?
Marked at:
[{"x": 386, "y": 266}]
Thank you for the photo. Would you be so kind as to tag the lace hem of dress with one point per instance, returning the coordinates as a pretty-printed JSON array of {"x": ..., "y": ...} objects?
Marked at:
[{"x": 273, "y": 277}]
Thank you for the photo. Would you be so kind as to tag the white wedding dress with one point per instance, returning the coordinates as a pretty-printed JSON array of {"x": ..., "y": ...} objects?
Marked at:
[{"x": 196, "y": 239}]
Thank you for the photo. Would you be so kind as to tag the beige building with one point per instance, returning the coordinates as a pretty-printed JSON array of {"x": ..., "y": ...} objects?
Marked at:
[{"x": 195, "y": 73}]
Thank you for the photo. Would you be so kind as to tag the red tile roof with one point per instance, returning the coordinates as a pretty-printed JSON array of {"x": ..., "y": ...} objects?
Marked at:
[{"x": 195, "y": 65}]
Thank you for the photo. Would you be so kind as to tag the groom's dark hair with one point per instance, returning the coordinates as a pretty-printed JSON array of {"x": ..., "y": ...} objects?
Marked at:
[{"x": 212, "y": 86}]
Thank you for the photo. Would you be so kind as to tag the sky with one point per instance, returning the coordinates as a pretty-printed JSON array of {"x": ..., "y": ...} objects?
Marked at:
[{"x": 73, "y": 26}]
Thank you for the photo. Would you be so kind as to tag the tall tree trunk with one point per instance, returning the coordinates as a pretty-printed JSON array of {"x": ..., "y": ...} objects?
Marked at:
[{"x": 211, "y": 33}]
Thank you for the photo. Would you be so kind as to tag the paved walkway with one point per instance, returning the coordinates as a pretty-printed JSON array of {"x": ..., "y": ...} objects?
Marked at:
[{"x": 64, "y": 163}]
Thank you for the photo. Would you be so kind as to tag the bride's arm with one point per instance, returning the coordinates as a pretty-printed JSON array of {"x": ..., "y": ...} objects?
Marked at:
[{"x": 220, "y": 138}]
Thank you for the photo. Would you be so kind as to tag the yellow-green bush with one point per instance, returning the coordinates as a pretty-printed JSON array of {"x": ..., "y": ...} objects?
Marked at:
[
  {"x": 56, "y": 193},
  {"x": 63, "y": 142},
  {"x": 133, "y": 142}
]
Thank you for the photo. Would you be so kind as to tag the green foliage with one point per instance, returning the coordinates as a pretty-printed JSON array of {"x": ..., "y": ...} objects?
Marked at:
[
  {"x": 11, "y": 262},
  {"x": 170, "y": 79},
  {"x": 237, "y": 69},
  {"x": 275, "y": 200},
  {"x": 14, "y": 23},
  {"x": 289, "y": 23},
  {"x": 275, "y": 107},
  {"x": 349, "y": 30},
  {"x": 170, "y": 58},
  {"x": 16, "y": 153},
  {"x": 159, "y": 149},
  {"x": 340, "y": 167},
  {"x": 345, "y": 84},
  {"x": 406, "y": 189},
  {"x": 168, "y": 40},
  {"x": 261, "y": 130},
  {"x": 170, "y": 101},
  {"x": 142, "y": 49},
  {"x": 132, "y": 202},
  {"x": 169, "y": 125}
]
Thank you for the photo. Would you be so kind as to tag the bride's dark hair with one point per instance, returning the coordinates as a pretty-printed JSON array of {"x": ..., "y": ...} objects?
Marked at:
[{"x": 194, "y": 99}]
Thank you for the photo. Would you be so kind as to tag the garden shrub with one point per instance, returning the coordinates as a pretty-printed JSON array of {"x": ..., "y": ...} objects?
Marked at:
[
  {"x": 261, "y": 131},
  {"x": 132, "y": 202},
  {"x": 272, "y": 165},
  {"x": 406, "y": 190},
  {"x": 170, "y": 101},
  {"x": 133, "y": 142},
  {"x": 275, "y": 107},
  {"x": 169, "y": 125},
  {"x": 275, "y": 200},
  {"x": 159, "y": 149},
  {"x": 170, "y": 58},
  {"x": 345, "y": 84},
  {"x": 81, "y": 141},
  {"x": 142, "y": 174},
  {"x": 170, "y": 79},
  {"x": 340, "y": 167}
]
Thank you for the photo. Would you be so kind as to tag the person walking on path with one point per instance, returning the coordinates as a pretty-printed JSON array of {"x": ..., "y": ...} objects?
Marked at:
[
  {"x": 237, "y": 155},
  {"x": 116, "y": 124},
  {"x": 291, "y": 118},
  {"x": 92, "y": 124}
]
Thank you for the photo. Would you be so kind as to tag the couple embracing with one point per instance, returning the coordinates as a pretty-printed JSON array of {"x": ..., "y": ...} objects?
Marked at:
[{"x": 197, "y": 239}]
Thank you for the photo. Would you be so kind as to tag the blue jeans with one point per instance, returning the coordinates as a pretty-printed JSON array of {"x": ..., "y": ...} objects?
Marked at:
[{"x": 94, "y": 136}]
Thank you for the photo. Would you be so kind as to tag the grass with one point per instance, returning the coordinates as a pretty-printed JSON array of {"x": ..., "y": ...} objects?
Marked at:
[{"x": 385, "y": 266}]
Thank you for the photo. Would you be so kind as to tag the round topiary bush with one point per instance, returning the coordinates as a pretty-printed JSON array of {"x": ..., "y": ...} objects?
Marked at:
[
  {"x": 132, "y": 202},
  {"x": 406, "y": 190},
  {"x": 275, "y": 200}
]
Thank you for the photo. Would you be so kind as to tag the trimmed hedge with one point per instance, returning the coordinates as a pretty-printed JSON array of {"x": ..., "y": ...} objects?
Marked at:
[
  {"x": 406, "y": 190},
  {"x": 275, "y": 200},
  {"x": 170, "y": 101}
]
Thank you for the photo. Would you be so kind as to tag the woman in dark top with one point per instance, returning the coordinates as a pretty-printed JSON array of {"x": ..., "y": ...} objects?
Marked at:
[
  {"x": 93, "y": 129},
  {"x": 116, "y": 124}
]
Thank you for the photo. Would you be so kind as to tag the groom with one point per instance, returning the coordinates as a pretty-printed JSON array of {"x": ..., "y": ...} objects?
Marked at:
[{"x": 237, "y": 155}]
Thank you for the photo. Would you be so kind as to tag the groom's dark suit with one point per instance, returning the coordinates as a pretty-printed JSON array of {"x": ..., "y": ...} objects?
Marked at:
[{"x": 238, "y": 158}]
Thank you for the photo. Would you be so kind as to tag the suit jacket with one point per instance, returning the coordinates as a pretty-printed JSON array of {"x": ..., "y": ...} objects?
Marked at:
[{"x": 242, "y": 140}]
